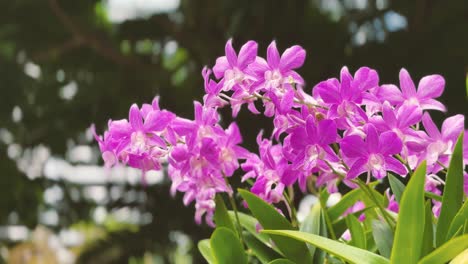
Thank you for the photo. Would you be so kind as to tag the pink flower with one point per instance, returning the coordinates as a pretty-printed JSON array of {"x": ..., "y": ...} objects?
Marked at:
[
  {"x": 373, "y": 155},
  {"x": 429, "y": 87}
]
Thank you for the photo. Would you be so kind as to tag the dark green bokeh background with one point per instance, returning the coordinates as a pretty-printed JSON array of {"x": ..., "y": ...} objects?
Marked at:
[{"x": 115, "y": 65}]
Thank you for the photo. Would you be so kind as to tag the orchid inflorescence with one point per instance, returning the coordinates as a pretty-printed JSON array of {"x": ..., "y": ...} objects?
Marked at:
[{"x": 345, "y": 128}]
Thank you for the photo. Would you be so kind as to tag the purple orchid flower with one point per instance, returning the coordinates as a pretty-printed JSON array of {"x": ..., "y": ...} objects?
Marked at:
[
  {"x": 429, "y": 87},
  {"x": 373, "y": 155},
  {"x": 344, "y": 98},
  {"x": 309, "y": 148},
  {"x": 440, "y": 144},
  {"x": 232, "y": 67}
]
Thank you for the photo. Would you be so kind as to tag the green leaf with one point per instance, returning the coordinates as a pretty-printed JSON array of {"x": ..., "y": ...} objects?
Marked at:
[
  {"x": 428, "y": 237},
  {"x": 410, "y": 226},
  {"x": 261, "y": 251},
  {"x": 312, "y": 224},
  {"x": 458, "y": 221},
  {"x": 452, "y": 198},
  {"x": 462, "y": 258},
  {"x": 383, "y": 237},
  {"x": 347, "y": 201},
  {"x": 226, "y": 247},
  {"x": 397, "y": 187},
  {"x": 346, "y": 252},
  {"x": 281, "y": 261},
  {"x": 250, "y": 224},
  {"x": 358, "y": 237},
  {"x": 221, "y": 216},
  {"x": 447, "y": 251},
  {"x": 269, "y": 218},
  {"x": 433, "y": 196},
  {"x": 205, "y": 249}
]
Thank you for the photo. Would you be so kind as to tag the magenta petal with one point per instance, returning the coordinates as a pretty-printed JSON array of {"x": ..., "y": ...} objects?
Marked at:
[
  {"x": 389, "y": 115},
  {"x": 221, "y": 66},
  {"x": 346, "y": 78},
  {"x": 230, "y": 53},
  {"x": 289, "y": 177},
  {"x": 366, "y": 78},
  {"x": 134, "y": 117},
  {"x": 273, "y": 56},
  {"x": 329, "y": 91},
  {"x": 452, "y": 127},
  {"x": 296, "y": 77},
  {"x": 431, "y": 104},
  {"x": 158, "y": 120},
  {"x": 430, "y": 127},
  {"x": 292, "y": 58},
  {"x": 247, "y": 54},
  {"x": 372, "y": 139},
  {"x": 395, "y": 166},
  {"x": 409, "y": 115},
  {"x": 389, "y": 143},
  {"x": 407, "y": 84},
  {"x": 357, "y": 169},
  {"x": 431, "y": 86},
  {"x": 353, "y": 147},
  {"x": 327, "y": 132},
  {"x": 391, "y": 93}
]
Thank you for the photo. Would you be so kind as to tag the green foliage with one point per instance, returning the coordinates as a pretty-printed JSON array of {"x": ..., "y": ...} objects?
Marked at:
[
  {"x": 348, "y": 253},
  {"x": 226, "y": 247},
  {"x": 452, "y": 198},
  {"x": 269, "y": 218},
  {"x": 411, "y": 219},
  {"x": 221, "y": 216}
]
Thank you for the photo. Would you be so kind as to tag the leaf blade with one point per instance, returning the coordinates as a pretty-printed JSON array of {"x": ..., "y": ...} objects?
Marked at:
[
  {"x": 452, "y": 197},
  {"x": 409, "y": 230},
  {"x": 349, "y": 253}
]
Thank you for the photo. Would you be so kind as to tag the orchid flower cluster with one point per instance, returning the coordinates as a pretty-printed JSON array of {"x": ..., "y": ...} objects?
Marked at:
[{"x": 345, "y": 128}]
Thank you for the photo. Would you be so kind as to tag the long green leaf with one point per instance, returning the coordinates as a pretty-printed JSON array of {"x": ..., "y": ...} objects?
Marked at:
[
  {"x": 312, "y": 224},
  {"x": 358, "y": 237},
  {"x": 462, "y": 258},
  {"x": 397, "y": 187},
  {"x": 458, "y": 221},
  {"x": 410, "y": 226},
  {"x": 221, "y": 216},
  {"x": 226, "y": 247},
  {"x": 347, "y": 201},
  {"x": 205, "y": 249},
  {"x": 447, "y": 251},
  {"x": 428, "y": 238},
  {"x": 346, "y": 252},
  {"x": 264, "y": 253},
  {"x": 269, "y": 218},
  {"x": 281, "y": 261},
  {"x": 250, "y": 224},
  {"x": 383, "y": 237},
  {"x": 452, "y": 198}
]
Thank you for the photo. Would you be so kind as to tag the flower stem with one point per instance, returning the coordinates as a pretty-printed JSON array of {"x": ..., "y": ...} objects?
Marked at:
[
  {"x": 327, "y": 219},
  {"x": 291, "y": 209},
  {"x": 234, "y": 207}
]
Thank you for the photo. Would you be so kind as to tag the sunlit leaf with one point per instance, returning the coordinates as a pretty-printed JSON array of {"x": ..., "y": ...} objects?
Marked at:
[
  {"x": 346, "y": 252},
  {"x": 205, "y": 249},
  {"x": 447, "y": 251},
  {"x": 269, "y": 218},
  {"x": 452, "y": 198},
  {"x": 264, "y": 253},
  {"x": 226, "y": 247},
  {"x": 221, "y": 216},
  {"x": 410, "y": 226},
  {"x": 358, "y": 237}
]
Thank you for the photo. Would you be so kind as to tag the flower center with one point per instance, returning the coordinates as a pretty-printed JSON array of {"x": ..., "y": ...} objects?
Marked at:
[
  {"x": 375, "y": 162},
  {"x": 233, "y": 76},
  {"x": 138, "y": 141},
  {"x": 274, "y": 79}
]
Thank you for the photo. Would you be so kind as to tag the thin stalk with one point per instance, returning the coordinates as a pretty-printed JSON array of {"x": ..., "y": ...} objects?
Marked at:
[
  {"x": 327, "y": 219},
  {"x": 291, "y": 209},
  {"x": 234, "y": 207},
  {"x": 390, "y": 221}
]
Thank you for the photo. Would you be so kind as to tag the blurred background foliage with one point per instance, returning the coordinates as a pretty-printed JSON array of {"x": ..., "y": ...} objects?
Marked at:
[{"x": 67, "y": 64}]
